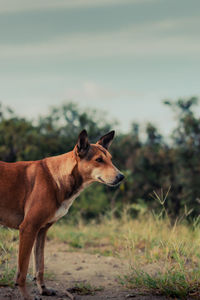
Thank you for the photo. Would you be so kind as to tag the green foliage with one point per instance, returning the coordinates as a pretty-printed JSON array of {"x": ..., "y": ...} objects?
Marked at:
[
  {"x": 150, "y": 164},
  {"x": 88, "y": 205}
]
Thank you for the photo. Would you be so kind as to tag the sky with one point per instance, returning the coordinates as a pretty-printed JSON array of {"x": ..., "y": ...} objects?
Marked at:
[{"x": 120, "y": 56}]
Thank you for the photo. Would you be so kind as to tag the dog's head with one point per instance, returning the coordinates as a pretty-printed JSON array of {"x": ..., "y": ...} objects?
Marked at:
[{"x": 94, "y": 160}]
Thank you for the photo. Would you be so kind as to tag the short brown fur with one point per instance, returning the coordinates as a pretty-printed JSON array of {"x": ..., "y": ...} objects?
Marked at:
[{"x": 34, "y": 194}]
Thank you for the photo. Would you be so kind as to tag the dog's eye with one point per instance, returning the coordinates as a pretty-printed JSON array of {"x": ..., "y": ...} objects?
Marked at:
[{"x": 99, "y": 159}]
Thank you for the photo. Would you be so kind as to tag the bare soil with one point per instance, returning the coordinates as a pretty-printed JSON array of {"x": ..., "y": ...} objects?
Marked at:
[{"x": 67, "y": 269}]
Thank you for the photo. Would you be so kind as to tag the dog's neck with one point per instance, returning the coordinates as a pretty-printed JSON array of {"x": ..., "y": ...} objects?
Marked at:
[
  {"x": 61, "y": 167},
  {"x": 64, "y": 170}
]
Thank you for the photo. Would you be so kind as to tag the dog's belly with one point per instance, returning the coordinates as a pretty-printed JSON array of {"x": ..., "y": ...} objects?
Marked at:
[
  {"x": 11, "y": 219},
  {"x": 63, "y": 209}
]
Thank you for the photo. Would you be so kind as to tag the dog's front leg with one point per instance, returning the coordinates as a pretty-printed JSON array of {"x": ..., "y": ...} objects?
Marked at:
[
  {"x": 27, "y": 234},
  {"x": 39, "y": 261}
]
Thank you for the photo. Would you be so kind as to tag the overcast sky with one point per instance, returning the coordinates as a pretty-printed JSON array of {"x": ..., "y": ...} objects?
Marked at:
[{"x": 122, "y": 56}]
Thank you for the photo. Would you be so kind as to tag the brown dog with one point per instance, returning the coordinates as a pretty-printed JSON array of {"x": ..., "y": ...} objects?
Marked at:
[{"x": 35, "y": 194}]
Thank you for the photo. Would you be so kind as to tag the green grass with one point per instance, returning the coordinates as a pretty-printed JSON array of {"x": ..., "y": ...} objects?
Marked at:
[
  {"x": 85, "y": 288},
  {"x": 170, "y": 282},
  {"x": 7, "y": 276},
  {"x": 8, "y": 240},
  {"x": 92, "y": 237}
]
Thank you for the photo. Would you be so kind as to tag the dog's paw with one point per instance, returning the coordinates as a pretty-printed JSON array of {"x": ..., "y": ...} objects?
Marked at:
[
  {"x": 48, "y": 292},
  {"x": 70, "y": 296}
]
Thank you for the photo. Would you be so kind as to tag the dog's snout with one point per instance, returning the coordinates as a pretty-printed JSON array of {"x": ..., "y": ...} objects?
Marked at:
[{"x": 120, "y": 177}]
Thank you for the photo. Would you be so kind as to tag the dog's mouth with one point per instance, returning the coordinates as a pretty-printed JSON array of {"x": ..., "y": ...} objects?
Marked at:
[{"x": 109, "y": 184}]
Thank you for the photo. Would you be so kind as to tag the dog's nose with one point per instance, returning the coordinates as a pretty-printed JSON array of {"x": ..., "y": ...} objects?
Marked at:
[{"x": 120, "y": 177}]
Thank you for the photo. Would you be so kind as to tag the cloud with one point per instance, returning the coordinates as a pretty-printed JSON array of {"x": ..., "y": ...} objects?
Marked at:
[
  {"x": 13, "y": 6},
  {"x": 92, "y": 91},
  {"x": 153, "y": 39},
  {"x": 122, "y": 104}
]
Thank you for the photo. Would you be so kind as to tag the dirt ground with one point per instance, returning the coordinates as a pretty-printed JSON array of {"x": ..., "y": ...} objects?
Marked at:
[{"x": 68, "y": 269}]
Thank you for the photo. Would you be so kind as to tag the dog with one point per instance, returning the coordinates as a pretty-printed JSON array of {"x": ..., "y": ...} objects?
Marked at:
[{"x": 35, "y": 194}]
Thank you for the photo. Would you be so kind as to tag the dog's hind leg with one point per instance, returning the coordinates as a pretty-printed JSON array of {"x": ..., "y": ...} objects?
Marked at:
[
  {"x": 27, "y": 235},
  {"x": 39, "y": 261}
]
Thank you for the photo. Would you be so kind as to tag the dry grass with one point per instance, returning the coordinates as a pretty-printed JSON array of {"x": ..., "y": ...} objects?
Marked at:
[{"x": 164, "y": 258}]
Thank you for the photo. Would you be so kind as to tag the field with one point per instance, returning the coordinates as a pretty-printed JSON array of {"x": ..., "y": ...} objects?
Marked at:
[{"x": 144, "y": 257}]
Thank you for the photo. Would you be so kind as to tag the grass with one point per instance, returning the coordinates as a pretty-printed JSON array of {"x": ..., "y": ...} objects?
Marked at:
[
  {"x": 170, "y": 282},
  {"x": 7, "y": 276},
  {"x": 8, "y": 240},
  {"x": 84, "y": 288},
  {"x": 93, "y": 238},
  {"x": 164, "y": 257}
]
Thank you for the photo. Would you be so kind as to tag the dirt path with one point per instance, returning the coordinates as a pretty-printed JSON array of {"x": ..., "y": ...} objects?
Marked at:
[{"x": 68, "y": 269}]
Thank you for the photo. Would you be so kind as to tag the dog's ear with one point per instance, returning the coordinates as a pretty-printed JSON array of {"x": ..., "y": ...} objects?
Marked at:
[
  {"x": 83, "y": 144},
  {"x": 106, "y": 140}
]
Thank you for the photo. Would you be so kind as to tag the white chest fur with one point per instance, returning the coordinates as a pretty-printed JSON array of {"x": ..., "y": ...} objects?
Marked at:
[{"x": 63, "y": 209}]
